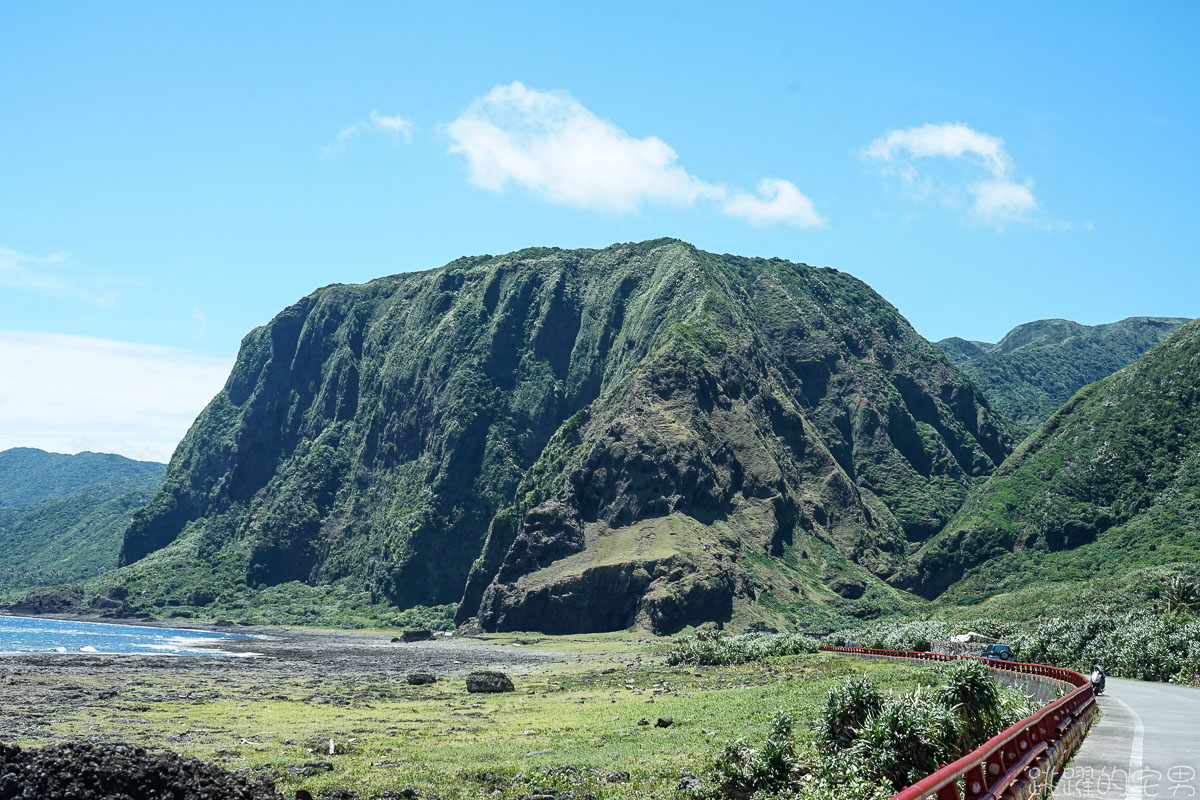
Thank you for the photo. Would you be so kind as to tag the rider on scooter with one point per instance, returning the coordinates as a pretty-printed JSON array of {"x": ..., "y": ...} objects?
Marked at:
[{"x": 1098, "y": 678}]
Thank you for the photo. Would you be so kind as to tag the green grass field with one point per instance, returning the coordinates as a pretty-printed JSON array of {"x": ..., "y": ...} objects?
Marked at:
[{"x": 573, "y": 723}]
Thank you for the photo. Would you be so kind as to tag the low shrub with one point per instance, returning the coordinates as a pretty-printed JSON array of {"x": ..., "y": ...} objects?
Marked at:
[
  {"x": 910, "y": 737},
  {"x": 712, "y": 648},
  {"x": 870, "y": 743},
  {"x": 967, "y": 688},
  {"x": 846, "y": 711}
]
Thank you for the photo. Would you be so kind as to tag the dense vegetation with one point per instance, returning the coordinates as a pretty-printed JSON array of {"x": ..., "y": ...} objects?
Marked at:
[
  {"x": 63, "y": 517},
  {"x": 711, "y": 648},
  {"x": 574, "y": 440},
  {"x": 1143, "y": 644},
  {"x": 29, "y": 477},
  {"x": 870, "y": 743},
  {"x": 1038, "y": 366},
  {"x": 1110, "y": 484}
]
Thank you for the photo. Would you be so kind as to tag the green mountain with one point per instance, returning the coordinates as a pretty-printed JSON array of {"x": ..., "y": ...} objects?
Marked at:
[
  {"x": 1038, "y": 366},
  {"x": 29, "y": 476},
  {"x": 574, "y": 440},
  {"x": 63, "y": 517},
  {"x": 1111, "y": 483}
]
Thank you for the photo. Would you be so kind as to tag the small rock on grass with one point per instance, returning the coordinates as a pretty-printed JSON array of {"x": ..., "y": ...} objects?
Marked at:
[
  {"x": 421, "y": 678},
  {"x": 664, "y": 722}
]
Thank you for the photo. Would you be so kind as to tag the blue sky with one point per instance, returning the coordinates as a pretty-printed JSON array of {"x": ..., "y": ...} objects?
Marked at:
[{"x": 173, "y": 174}]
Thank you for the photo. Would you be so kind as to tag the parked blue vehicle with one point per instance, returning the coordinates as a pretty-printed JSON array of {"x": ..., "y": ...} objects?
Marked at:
[{"x": 999, "y": 652}]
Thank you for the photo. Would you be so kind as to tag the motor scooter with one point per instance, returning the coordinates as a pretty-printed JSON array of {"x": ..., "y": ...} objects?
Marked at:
[{"x": 1098, "y": 681}]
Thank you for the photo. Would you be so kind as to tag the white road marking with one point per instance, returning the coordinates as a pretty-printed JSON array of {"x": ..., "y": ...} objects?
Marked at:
[{"x": 1133, "y": 785}]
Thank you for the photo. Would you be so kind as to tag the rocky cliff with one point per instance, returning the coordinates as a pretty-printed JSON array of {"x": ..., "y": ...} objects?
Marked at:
[{"x": 574, "y": 440}]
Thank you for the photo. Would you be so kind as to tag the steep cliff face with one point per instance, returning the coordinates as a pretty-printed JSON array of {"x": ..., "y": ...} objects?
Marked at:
[
  {"x": 573, "y": 440},
  {"x": 1109, "y": 483}
]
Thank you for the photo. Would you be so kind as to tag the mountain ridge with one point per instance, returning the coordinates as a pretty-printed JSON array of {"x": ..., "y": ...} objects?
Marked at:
[
  {"x": 395, "y": 435},
  {"x": 1037, "y": 366},
  {"x": 64, "y": 516},
  {"x": 29, "y": 476}
]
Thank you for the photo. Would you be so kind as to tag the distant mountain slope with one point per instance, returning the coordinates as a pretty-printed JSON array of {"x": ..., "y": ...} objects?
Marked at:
[
  {"x": 65, "y": 515},
  {"x": 573, "y": 440},
  {"x": 1036, "y": 368},
  {"x": 29, "y": 476},
  {"x": 73, "y": 537},
  {"x": 1111, "y": 482}
]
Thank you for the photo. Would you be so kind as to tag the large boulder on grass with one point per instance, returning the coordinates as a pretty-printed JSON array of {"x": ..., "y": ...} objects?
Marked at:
[{"x": 487, "y": 681}]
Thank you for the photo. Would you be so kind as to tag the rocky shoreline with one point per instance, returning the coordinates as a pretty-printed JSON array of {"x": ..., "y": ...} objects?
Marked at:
[
  {"x": 283, "y": 651},
  {"x": 321, "y": 668}
]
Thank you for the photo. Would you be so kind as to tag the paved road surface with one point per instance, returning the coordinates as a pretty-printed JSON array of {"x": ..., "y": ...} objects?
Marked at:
[{"x": 1150, "y": 732}]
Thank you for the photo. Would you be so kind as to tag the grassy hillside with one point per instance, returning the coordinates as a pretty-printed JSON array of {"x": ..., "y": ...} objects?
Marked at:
[
  {"x": 1038, "y": 366},
  {"x": 63, "y": 517},
  {"x": 1109, "y": 485},
  {"x": 574, "y": 440},
  {"x": 29, "y": 476}
]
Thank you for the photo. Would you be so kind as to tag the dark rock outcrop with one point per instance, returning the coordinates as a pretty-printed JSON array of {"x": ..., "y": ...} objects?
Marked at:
[
  {"x": 849, "y": 588},
  {"x": 486, "y": 681},
  {"x": 88, "y": 771},
  {"x": 50, "y": 600},
  {"x": 421, "y": 678}
]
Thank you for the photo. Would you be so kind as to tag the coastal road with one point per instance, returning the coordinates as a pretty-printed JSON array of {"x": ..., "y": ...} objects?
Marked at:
[{"x": 1145, "y": 746}]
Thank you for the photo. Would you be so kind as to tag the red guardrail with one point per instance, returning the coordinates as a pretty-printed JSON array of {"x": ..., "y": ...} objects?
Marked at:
[{"x": 1018, "y": 762}]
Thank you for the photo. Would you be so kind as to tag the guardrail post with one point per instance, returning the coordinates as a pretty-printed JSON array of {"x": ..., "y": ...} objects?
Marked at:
[
  {"x": 1038, "y": 733},
  {"x": 1023, "y": 743},
  {"x": 976, "y": 782},
  {"x": 948, "y": 792},
  {"x": 995, "y": 765}
]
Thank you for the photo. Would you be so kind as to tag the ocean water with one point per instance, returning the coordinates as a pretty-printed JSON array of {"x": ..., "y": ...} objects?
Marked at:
[{"x": 32, "y": 635}]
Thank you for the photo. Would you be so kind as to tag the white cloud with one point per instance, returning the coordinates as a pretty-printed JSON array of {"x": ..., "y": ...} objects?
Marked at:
[
  {"x": 778, "y": 201},
  {"x": 24, "y": 271},
  {"x": 71, "y": 393},
  {"x": 396, "y": 126},
  {"x": 1003, "y": 199},
  {"x": 553, "y": 146},
  {"x": 945, "y": 140},
  {"x": 54, "y": 275},
  {"x": 997, "y": 198}
]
